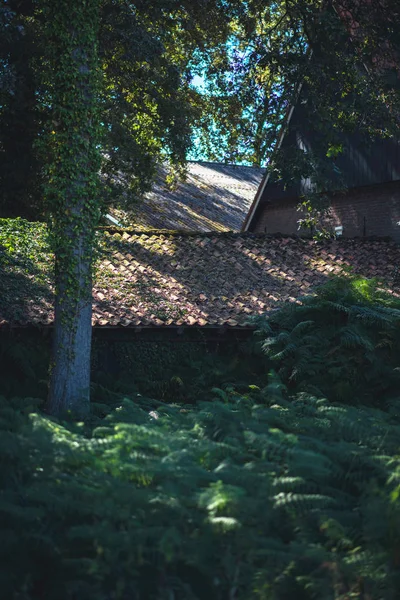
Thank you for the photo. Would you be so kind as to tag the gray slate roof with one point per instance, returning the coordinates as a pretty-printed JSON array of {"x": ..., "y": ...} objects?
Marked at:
[{"x": 214, "y": 197}]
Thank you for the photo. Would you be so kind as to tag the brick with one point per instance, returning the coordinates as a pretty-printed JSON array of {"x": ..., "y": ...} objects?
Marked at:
[{"x": 367, "y": 211}]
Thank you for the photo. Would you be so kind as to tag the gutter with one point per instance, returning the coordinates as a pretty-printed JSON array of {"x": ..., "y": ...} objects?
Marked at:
[{"x": 112, "y": 220}]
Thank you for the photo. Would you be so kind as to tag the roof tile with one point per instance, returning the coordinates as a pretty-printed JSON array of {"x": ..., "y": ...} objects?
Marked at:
[
  {"x": 179, "y": 279},
  {"x": 214, "y": 197}
]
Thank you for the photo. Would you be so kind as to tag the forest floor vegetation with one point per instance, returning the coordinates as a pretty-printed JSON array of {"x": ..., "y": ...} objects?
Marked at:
[{"x": 287, "y": 487}]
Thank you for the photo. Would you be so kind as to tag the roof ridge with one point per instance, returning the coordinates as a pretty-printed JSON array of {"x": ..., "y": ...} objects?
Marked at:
[
  {"x": 223, "y": 164},
  {"x": 241, "y": 234}
]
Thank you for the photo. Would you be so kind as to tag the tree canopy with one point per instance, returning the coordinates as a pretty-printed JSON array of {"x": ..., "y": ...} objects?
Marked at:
[
  {"x": 252, "y": 57},
  {"x": 345, "y": 53},
  {"x": 147, "y": 53},
  {"x": 107, "y": 90}
]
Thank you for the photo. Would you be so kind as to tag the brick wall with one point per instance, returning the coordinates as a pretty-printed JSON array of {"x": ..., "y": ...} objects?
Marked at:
[{"x": 367, "y": 211}]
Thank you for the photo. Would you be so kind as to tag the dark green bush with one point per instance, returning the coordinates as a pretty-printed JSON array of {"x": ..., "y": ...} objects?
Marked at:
[
  {"x": 343, "y": 342},
  {"x": 175, "y": 371},
  {"x": 245, "y": 497},
  {"x": 272, "y": 492},
  {"x": 24, "y": 363},
  {"x": 166, "y": 370}
]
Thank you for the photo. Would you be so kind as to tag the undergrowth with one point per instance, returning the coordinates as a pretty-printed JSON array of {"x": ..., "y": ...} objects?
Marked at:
[
  {"x": 343, "y": 342},
  {"x": 245, "y": 497},
  {"x": 164, "y": 370},
  {"x": 270, "y": 491}
]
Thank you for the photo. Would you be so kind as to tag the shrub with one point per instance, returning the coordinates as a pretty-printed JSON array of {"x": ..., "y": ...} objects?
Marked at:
[
  {"x": 343, "y": 342},
  {"x": 246, "y": 497}
]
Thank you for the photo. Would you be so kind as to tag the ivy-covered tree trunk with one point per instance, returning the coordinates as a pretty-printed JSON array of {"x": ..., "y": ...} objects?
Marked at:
[{"x": 72, "y": 186}]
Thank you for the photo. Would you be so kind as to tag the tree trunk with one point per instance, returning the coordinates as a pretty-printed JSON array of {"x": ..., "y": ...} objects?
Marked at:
[
  {"x": 72, "y": 196},
  {"x": 69, "y": 389}
]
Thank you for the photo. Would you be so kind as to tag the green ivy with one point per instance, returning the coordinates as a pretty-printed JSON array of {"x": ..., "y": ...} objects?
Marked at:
[
  {"x": 22, "y": 241},
  {"x": 72, "y": 175}
]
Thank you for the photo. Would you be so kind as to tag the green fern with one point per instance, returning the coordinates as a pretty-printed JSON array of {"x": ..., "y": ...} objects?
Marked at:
[
  {"x": 343, "y": 342},
  {"x": 253, "y": 493}
]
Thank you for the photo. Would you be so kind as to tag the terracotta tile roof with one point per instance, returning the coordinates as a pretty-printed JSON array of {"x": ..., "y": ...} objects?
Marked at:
[
  {"x": 214, "y": 197},
  {"x": 169, "y": 278}
]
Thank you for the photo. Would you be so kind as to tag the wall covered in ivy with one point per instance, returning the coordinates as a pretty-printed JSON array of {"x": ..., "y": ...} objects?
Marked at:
[{"x": 173, "y": 370}]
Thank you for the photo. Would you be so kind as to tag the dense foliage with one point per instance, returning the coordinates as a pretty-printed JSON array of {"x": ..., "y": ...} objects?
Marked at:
[
  {"x": 251, "y": 57},
  {"x": 256, "y": 496},
  {"x": 256, "y": 491},
  {"x": 148, "y": 55},
  {"x": 343, "y": 56},
  {"x": 343, "y": 342}
]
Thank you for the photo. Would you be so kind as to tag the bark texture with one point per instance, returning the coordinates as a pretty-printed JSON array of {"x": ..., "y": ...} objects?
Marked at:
[
  {"x": 72, "y": 196},
  {"x": 69, "y": 389}
]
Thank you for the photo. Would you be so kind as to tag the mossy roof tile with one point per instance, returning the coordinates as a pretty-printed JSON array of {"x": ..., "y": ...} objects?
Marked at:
[{"x": 149, "y": 279}]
